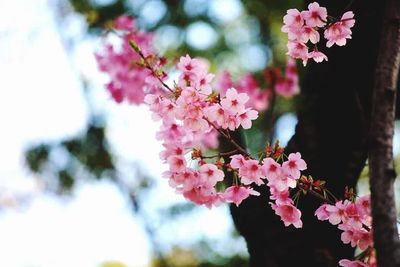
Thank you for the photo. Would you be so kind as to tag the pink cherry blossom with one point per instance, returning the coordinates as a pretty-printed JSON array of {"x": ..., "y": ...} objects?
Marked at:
[
  {"x": 127, "y": 81},
  {"x": 233, "y": 101},
  {"x": 246, "y": 117},
  {"x": 298, "y": 50},
  {"x": 280, "y": 197},
  {"x": 124, "y": 22},
  {"x": 289, "y": 85},
  {"x": 176, "y": 163},
  {"x": 322, "y": 213},
  {"x": 293, "y": 23},
  {"x": 315, "y": 16},
  {"x": 309, "y": 34},
  {"x": 237, "y": 161},
  {"x": 289, "y": 214},
  {"x": 283, "y": 182},
  {"x": 337, "y": 213},
  {"x": 202, "y": 195},
  {"x": 317, "y": 56},
  {"x": 188, "y": 64},
  {"x": 250, "y": 172},
  {"x": 236, "y": 194},
  {"x": 287, "y": 88},
  {"x": 349, "y": 235},
  {"x": 271, "y": 169},
  {"x": 294, "y": 165},
  {"x": 258, "y": 98},
  {"x": 349, "y": 263},
  {"x": 211, "y": 174},
  {"x": 338, "y": 32},
  {"x": 293, "y": 18}
]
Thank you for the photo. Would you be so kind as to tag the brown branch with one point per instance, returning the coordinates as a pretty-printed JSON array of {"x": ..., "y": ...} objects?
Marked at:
[
  {"x": 230, "y": 139},
  {"x": 219, "y": 155},
  {"x": 315, "y": 194},
  {"x": 381, "y": 165}
]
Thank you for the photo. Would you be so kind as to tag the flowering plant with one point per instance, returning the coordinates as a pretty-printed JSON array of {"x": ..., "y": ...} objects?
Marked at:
[{"x": 194, "y": 114}]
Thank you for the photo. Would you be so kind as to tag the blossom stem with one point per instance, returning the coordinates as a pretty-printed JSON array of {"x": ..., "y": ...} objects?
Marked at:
[
  {"x": 229, "y": 138},
  {"x": 315, "y": 194},
  {"x": 223, "y": 154},
  {"x": 149, "y": 67}
]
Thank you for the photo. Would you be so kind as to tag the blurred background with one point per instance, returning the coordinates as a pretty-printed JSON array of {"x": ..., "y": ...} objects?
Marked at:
[{"x": 80, "y": 176}]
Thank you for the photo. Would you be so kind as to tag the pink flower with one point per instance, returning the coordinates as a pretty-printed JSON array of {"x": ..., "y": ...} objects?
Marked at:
[
  {"x": 271, "y": 169},
  {"x": 336, "y": 213},
  {"x": 349, "y": 263},
  {"x": 309, "y": 33},
  {"x": 237, "y": 161},
  {"x": 202, "y": 195},
  {"x": 211, "y": 174},
  {"x": 340, "y": 31},
  {"x": 294, "y": 165},
  {"x": 216, "y": 113},
  {"x": 250, "y": 172},
  {"x": 188, "y": 64},
  {"x": 233, "y": 101},
  {"x": 293, "y": 22},
  {"x": 283, "y": 182},
  {"x": 246, "y": 117},
  {"x": 321, "y": 213},
  {"x": 365, "y": 239},
  {"x": 315, "y": 16},
  {"x": 349, "y": 235},
  {"x": 124, "y": 22},
  {"x": 287, "y": 88},
  {"x": 176, "y": 163},
  {"x": 317, "y": 56},
  {"x": 298, "y": 50},
  {"x": 236, "y": 194},
  {"x": 289, "y": 214},
  {"x": 293, "y": 18},
  {"x": 280, "y": 197},
  {"x": 364, "y": 206},
  {"x": 203, "y": 83},
  {"x": 258, "y": 98}
]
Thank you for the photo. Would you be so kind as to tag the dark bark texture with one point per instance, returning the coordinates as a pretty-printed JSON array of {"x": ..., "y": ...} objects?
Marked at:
[
  {"x": 332, "y": 136},
  {"x": 381, "y": 165}
]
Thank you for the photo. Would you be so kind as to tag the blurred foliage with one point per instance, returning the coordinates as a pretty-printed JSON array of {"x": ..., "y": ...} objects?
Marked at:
[
  {"x": 194, "y": 257},
  {"x": 237, "y": 26},
  {"x": 113, "y": 264},
  {"x": 88, "y": 150}
]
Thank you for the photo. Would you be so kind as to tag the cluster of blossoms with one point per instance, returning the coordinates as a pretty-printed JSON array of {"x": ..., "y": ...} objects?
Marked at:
[
  {"x": 193, "y": 116},
  {"x": 354, "y": 219},
  {"x": 303, "y": 27},
  {"x": 258, "y": 98},
  {"x": 190, "y": 114},
  {"x": 280, "y": 178},
  {"x": 127, "y": 79},
  {"x": 286, "y": 86}
]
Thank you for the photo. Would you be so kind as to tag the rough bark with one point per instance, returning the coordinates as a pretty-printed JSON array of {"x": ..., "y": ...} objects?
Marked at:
[
  {"x": 331, "y": 135},
  {"x": 381, "y": 165}
]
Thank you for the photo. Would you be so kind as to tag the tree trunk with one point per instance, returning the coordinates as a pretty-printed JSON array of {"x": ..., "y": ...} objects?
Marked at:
[
  {"x": 381, "y": 165},
  {"x": 331, "y": 134}
]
